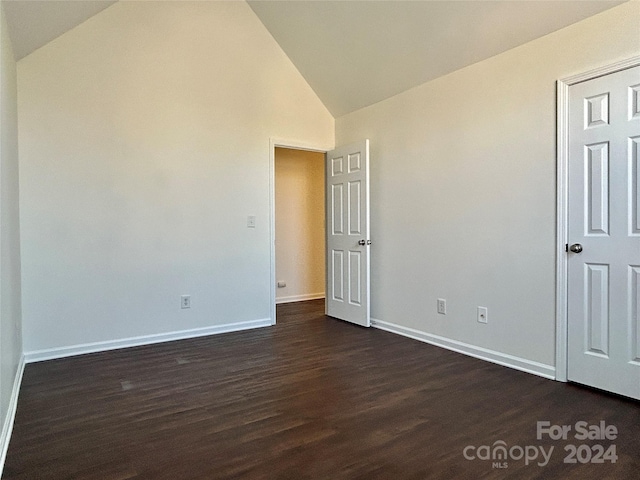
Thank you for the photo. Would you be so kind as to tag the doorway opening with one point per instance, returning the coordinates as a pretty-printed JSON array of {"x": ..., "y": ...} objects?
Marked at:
[
  {"x": 298, "y": 219},
  {"x": 299, "y": 225}
]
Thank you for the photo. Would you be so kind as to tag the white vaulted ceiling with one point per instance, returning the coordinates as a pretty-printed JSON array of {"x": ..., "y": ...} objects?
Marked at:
[
  {"x": 356, "y": 53},
  {"x": 34, "y": 23}
]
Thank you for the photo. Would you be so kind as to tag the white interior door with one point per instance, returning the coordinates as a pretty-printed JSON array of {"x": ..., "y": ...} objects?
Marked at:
[
  {"x": 604, "y": 233},
  {"x": 348, "y": 241}
]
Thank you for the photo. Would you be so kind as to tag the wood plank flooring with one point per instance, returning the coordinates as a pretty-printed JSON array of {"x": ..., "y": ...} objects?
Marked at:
[{"x": 310, "y": 398}]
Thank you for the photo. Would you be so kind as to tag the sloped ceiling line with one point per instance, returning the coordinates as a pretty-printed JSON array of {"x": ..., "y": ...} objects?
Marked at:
[{"x": 355, "y": 53}]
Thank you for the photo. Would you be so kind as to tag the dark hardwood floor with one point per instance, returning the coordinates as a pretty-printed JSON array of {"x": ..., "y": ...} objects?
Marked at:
[{"x": 311, "y": 398}]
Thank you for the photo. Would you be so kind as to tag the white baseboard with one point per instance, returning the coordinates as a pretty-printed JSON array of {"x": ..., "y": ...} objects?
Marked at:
[
  {"x": 53, "y": 353},
  {"x": 7, "y": 426},
  {"x": 299, "y": 298},
  {"x": 522, "y": 364}
]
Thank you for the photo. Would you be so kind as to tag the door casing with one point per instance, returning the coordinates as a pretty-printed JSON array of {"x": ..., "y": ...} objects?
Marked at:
[
  {"x": 562, "y": 182},
  {"x": 294, "y": 145}
]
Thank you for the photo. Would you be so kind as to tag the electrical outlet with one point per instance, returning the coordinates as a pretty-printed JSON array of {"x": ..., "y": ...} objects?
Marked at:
[
  {"x": 251, "y": 221},
  {"x": 185, "y": 301},
  {"x": 282, "y": 284},
  {"x": 442, "y": 306},
  {"x": 483, "y": 315}
]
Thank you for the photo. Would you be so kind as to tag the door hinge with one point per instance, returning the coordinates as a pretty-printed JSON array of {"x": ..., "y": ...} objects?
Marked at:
[{"x": 566, "y": 247}]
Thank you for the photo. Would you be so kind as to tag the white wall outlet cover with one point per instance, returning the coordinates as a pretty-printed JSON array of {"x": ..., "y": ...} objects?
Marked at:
[
  {"x": 282, "y": 284},
  {"x": 483, "y": 315}
]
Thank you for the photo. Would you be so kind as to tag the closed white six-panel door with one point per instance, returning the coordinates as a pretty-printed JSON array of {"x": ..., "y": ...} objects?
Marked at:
[
  {"x": 604, "y": 233},
  {"x": 348, "y": 233}
]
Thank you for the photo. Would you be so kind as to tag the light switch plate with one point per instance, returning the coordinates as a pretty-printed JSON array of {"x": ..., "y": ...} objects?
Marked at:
[
  {"x": 442, "y": 306},
  {"x": 185, "y": 301}
]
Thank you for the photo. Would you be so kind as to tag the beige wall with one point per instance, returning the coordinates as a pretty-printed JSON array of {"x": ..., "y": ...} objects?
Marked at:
[
  {"x": 145, "y": 145},
  {"x": 463, "y": 183},
  {"x": 300, "y": 224},
  {"x": 10, "y": 310},
  {"x": 144, "y": 136}
]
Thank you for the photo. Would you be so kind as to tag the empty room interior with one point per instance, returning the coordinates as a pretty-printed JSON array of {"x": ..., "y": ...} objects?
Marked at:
[{"x": 319, "y": 239}]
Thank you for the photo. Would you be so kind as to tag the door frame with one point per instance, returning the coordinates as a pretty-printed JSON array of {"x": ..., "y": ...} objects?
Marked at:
[
  {"x": 562, "y": 192},
  {"x": 293, "y": 145}
]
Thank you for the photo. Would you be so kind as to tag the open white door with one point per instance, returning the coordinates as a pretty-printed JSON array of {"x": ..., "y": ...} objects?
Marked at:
[
  {"x": 604, "y": 233},
  {"x": 348, "y": 241}
]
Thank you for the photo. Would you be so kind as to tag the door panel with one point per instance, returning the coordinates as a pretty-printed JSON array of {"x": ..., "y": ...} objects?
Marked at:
[
  {"x": 347, "y": 229},
  {"x": 337, "y": 276},
  {"x": 634, "y": 195},
  {"x": 598, "y": 309},
  {"x": 355, "y": 288},
  {"x": 604, "y": 128},
  {"x": 337, "y": 211},
  {"x": 354, "y": 208},
  {"x": 634, "y": 312},
  {"x": 634, "y": 103},
  {"x": 597, "y": 208}
]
